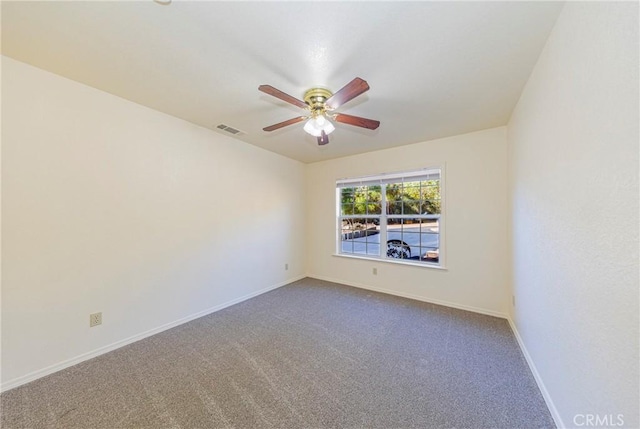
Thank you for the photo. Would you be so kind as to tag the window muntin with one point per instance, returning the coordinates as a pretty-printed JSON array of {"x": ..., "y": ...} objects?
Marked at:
[{"x": 402, "y": 210}]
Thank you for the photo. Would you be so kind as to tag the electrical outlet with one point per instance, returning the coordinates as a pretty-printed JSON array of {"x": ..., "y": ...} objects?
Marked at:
[
  {"x": 95, "y": 319},
  {"x": 286, "y": 267},
  {"x": 375, "y": 271}
]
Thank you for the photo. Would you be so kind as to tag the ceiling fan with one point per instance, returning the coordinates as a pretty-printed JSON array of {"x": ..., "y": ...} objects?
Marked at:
[{"x": 320, "y": 103}]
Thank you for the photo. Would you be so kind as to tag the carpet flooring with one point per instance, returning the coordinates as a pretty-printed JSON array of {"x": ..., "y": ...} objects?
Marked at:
[{"x": 311, "y": 354}]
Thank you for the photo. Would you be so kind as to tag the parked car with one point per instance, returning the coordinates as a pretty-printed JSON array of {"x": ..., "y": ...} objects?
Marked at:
[
  {"x": 406, "y": 242},
  {"x": 401, "y": 250}
]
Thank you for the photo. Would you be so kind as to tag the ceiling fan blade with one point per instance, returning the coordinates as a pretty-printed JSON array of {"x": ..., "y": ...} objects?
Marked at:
[
  {"x": 323, "y": 139},
  {"x": 268, "y": 89},
  {"x": 350, "y": 91},
  {"x": 357, "y": 121},
  {"x": 284, "y": 123}
]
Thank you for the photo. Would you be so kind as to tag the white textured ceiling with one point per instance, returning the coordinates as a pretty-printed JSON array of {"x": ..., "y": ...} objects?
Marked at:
[{"x": 435, "y": 69}]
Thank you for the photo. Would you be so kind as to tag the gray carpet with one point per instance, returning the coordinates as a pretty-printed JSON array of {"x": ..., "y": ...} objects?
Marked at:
[{"x": 311, "y": 354}]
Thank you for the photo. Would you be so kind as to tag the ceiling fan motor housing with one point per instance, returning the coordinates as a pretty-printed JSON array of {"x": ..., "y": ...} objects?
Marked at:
[{"x": 316, "y": 99}]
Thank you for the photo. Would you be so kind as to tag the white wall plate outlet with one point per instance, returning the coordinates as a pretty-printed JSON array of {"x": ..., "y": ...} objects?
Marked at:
[{"x": 95, "y": 319}]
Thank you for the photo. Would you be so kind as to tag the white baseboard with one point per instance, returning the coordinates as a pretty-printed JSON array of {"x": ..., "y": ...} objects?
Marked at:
[
  {"x": 415, "y": 297},
  {"x": 8, "y": 385},
  {"x": 102, "y": 350},
  {"x": 536, "y": 375}
]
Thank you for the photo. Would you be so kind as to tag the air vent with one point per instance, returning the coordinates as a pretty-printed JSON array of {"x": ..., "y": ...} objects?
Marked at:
[{"x": 229, "y": 129}]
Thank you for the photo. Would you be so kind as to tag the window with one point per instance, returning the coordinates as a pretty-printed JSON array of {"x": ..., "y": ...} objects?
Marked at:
[{"x": 391, "y": 216}]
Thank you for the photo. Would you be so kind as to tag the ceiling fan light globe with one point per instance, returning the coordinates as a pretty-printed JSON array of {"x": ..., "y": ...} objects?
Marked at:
[
  {"x": 311, "y": 127},
  {"x": 328, "y": 127},
  {"x": 315, "y": 126}
]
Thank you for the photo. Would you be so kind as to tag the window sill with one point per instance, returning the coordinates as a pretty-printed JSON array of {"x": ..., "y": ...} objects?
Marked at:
[{"x": 392, "y": 261}]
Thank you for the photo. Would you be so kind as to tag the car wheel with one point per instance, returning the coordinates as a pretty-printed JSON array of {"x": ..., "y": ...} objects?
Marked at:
[{"x": 398, "y": 249}]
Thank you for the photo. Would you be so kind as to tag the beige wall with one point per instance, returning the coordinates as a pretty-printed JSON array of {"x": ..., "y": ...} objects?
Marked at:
[
  {"x": 573, "y": 157},
  {"x": 113, "y": 207},
  {"x": 475, "y": 218},
  {"x": 109, "y": 206}
]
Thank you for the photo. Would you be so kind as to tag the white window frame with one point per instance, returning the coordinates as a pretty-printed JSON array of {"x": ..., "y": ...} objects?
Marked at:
[{"x": 382, "y": 180}]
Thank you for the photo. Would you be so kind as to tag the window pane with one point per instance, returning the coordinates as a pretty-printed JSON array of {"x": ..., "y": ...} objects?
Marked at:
[
  {"x": 374, "y": 208},
  {"x": 430, "y": 207},
  {"x": 366, "y": 199},
  {"x": 361, "y": 236},
  {"x": 411, "y": 192},
  {"x": 394, "y": 208},
  {"x": 430, "y": 195},
  {"x": 429, "y": 254},
  {"x": 373, "y": 193},
  {"x": 394, "y": 192},
  {"x": 374, "y": 200},
  {"x": 373, "y": 246},
  {"x": 411, "y": 207},
  {"x": 418, "y": 238},
  {"x": 346, "y": 195}
]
